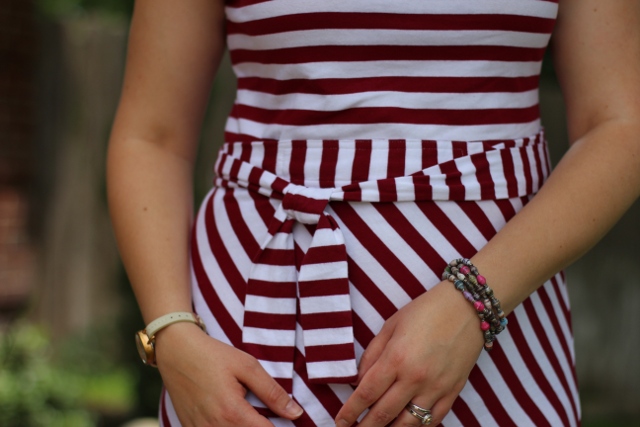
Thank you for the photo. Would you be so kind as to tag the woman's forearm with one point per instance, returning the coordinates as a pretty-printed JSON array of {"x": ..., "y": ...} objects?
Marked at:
[
  {"x": 173, "y": 53},
  {"x": 150, "y": 199},
  {"x": 595, "y": 183}
]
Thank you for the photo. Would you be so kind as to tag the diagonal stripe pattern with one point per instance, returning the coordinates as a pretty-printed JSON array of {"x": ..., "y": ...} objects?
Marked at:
[{"x": 315, "y": 288}]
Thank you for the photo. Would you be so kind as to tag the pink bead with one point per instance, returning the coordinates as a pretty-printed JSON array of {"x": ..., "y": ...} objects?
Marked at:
[
  {"x": 465, "y": 270},
  {"x": 484, "y": 326},
  {"x": 479, "y": 306},
  {"x": 481, "y": 280}
]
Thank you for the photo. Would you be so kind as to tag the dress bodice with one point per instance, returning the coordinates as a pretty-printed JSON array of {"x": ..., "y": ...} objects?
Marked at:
[{"x": 425, "y": 69}]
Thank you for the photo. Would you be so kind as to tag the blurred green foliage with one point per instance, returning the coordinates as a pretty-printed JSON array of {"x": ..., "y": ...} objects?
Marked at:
[
  {"x": 74, "y": 389},
  {"x": 62, "y": 8}
]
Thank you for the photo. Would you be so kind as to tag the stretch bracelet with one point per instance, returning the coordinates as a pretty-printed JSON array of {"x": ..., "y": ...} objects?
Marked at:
[{"x": 466, "y": 278}]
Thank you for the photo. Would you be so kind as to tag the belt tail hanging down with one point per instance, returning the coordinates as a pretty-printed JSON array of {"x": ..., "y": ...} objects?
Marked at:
[{"x": 321, "y": 286}]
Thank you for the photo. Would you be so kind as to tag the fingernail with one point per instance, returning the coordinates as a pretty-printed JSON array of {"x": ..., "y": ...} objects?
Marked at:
[
  {"x": 342, "y": 423},
  {"x": 293, "y": 409}
]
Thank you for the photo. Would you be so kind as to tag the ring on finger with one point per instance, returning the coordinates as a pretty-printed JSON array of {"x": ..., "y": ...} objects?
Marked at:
[{"x": 424, "y": 415}]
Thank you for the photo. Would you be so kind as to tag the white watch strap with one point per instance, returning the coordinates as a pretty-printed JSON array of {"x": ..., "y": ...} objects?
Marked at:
[{"x": 169, "y": 319}]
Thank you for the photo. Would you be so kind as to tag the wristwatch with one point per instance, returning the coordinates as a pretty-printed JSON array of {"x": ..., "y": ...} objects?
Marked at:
[{"x": 145, "y": 339}]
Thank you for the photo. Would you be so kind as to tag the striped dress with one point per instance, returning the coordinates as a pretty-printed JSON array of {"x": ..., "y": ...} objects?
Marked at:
[{"x": 370, "y": 143}]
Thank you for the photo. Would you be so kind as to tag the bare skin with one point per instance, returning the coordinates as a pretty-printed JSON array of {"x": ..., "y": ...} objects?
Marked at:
[{"x": 174, "y": 51}]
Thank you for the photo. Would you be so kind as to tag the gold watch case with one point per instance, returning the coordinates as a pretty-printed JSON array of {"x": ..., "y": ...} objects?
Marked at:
[
  {"x": 146, "y": 349},
  {"x": 146, "y": 345}
]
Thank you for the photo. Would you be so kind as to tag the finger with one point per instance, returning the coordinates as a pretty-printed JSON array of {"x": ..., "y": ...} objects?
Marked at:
[
  {"x": 442, "y": 407},
  {"x": 438, "y": 411},
  {"x": 389, "y": 406},
  {"x": 369, "y": 357},
  {"x": 407, "y": 419},
  {"x": 373, "y": 385},
  {"x": 246, "y": 415},
  {"x": 231, "y": 411},
  {"x": 269, "y": 391},
  {"x": 373, "y": 352}
]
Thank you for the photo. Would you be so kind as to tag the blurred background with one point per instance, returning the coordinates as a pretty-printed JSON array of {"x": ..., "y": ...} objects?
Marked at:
[{"x": 67, "y": 314}]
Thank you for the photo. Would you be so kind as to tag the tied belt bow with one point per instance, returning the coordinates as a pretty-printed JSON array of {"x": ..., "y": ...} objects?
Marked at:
[
  {"x": 320, "y": 287},
  {"x": 279, "y": 297}
]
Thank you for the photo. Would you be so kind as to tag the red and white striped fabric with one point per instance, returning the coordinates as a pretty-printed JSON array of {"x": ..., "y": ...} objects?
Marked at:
[
  {"x": 426, "y": 69},
  {"x": 395, "y": 252},
  {"x": 320, "y": 287},
  {"x": 370, "y": 143}
]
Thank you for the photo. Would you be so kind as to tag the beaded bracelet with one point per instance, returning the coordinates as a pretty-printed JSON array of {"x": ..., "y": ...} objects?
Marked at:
[
  {"x": 466, "y": 278},
  {"x": 485, "y": 303}
]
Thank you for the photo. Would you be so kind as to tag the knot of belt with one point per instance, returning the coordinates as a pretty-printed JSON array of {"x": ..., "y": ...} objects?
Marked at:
[
  {"x": 317, "y": 296},
  {"x": 279, "y": 297}
]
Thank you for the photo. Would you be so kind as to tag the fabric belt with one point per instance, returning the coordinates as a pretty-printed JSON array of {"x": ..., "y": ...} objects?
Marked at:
[{"x": 316, "y": 297}]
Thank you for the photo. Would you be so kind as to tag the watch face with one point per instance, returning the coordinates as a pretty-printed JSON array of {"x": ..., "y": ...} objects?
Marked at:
[{"x": 145, "y": 348}]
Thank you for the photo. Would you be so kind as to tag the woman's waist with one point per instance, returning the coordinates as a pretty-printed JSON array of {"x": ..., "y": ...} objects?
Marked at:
[
  {"x": 467, "y": 128},
  {"x": 334, "y": 163}
]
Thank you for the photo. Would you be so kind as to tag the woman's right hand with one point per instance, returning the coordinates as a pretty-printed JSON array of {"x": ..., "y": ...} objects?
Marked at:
[{"x": 208, "y": 380}]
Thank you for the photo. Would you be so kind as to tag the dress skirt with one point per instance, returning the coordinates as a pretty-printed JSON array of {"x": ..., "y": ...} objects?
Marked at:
[{"x": 404, "y": 208}]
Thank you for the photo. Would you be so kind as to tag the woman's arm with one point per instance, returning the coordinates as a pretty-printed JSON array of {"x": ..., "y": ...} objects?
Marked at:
[
  {"x": 597, "y": 56},
  {"x": 174, "y": 50},
  {"x": 596, "y": 50}
]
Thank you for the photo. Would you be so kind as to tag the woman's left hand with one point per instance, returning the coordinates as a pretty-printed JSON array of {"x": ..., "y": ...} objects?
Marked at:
[{"x": 423, "y": 355}]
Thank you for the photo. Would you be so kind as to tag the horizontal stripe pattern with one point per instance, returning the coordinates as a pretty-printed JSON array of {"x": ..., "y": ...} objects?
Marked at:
[
  {"x": 380, "y": 130},
  {"x": 362, "y": 37},
  {"x": 241, "y": 11},
  {"x": 381, "y": 99},
  {"x": 315, "y": 293},
  {"x": 360, "y": 53},
  {"x": 423, "y": 85},
  {"x": 473, "y": 66}
]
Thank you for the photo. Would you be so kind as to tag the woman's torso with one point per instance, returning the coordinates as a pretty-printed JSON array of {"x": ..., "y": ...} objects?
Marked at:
[{"x": 430, "y": 69}]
